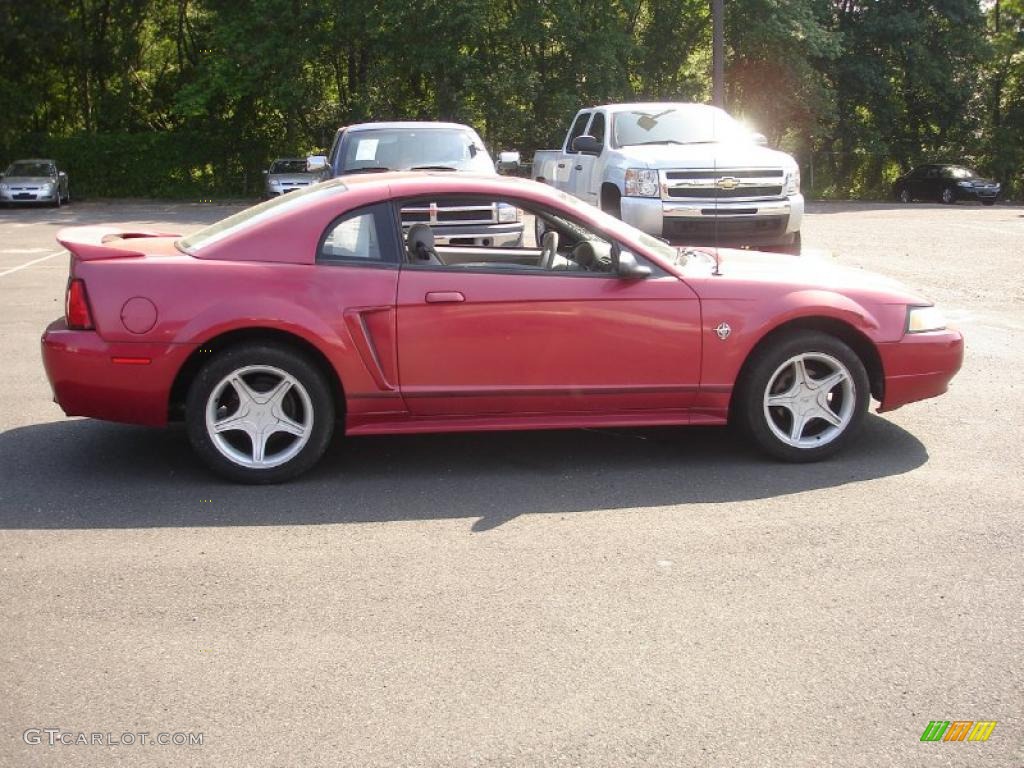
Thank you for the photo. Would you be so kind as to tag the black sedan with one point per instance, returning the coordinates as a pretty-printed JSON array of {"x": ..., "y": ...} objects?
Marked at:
[{"x": 945, "y": 183}]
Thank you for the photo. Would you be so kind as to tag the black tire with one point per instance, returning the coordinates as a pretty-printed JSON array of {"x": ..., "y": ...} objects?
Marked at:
[
  {"x": 947, "y": 196},
  {"x": 768, "y": 368},
  {"x": 904, "y": 196},
  {"x": 311, "y": 401},
  {"x": 611, "y": 201}
]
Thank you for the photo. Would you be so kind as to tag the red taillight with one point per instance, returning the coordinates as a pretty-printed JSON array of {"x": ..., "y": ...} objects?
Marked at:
[{"x": 76, "y": 307}]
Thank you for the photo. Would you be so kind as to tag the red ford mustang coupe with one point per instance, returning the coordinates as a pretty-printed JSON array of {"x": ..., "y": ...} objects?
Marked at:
[{"x": 337, "y": 307}]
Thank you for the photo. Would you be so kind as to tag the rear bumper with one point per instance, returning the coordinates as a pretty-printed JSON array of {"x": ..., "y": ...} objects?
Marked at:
[
  {"x": 86, "y": 380},
  {"x": 919, "y": 366}
]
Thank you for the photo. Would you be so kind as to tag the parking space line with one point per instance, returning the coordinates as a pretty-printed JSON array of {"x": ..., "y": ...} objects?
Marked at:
[{"x": 30, "y": 263}]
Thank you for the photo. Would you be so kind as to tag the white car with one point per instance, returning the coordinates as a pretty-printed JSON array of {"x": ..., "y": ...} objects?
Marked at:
[{"x": 685, "y": 172}]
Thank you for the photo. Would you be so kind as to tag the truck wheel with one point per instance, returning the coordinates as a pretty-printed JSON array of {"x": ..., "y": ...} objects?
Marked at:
[
  {"x": 259, "y": 414},
  {"x": 803, "y": 397},
  {"x": 611, "y": 201}
]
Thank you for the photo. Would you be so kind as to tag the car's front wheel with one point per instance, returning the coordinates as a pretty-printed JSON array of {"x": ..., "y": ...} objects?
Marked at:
[
  {"x": 259, "y": 414},
  {"x": 948, "y": 196},
  {"x": 803, "y": 396},
  {"x": 904, "y": 195}
]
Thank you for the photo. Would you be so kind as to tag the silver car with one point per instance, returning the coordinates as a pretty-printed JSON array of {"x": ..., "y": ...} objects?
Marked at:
[
  {"x": 34, "y": 181},
  {"x": 287, "y": 174}
]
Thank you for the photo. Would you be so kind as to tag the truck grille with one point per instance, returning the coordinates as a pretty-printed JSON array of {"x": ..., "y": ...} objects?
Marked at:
[
  {"x": 723, "y": 184},
  {"x": 431, "y": 213}
]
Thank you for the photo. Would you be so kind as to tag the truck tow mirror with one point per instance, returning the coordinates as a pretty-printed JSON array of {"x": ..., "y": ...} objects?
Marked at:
[
  {"x": 587, "y": 145},
  {"x": 315, "y": 163},
  {"x": 508, "y": 161}
]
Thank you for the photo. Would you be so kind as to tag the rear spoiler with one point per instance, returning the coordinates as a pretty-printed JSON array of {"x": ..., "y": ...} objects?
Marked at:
[{"x": 103, "y": 242}]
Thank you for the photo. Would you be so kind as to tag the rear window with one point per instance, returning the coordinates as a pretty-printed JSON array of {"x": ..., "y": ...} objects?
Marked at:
[{"x": 257, "y": 215}]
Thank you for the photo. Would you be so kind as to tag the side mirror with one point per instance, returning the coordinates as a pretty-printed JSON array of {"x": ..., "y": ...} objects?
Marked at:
[
  {"x": 626, "y": 266},
  {"x": 587, "y": 145},
  {"x": 508, "y": 161},
  {"x": 316, "y": 163},
  {"x": 760, "y": 139}
]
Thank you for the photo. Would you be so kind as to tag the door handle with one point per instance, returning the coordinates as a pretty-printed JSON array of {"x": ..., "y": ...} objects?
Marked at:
[
  {"x": 579, "y": 167},
  {"x": 444, "y": 297},
  {"x": 561, "y": 165}
]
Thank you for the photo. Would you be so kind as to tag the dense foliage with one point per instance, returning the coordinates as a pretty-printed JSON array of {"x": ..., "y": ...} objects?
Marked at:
[{"x": 194, "y": 97}]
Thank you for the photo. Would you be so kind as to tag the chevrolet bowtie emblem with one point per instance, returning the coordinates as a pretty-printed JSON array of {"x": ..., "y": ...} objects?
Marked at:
[{"x": 727, "y": 182}]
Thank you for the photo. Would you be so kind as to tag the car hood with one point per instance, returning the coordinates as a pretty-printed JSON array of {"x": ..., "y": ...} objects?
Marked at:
[
  {"x": 753, "y": 274},
  {"x": 707, "y": 156},
  {"x": 292, "y": 178},
  {"x": 27, "y": 180}
]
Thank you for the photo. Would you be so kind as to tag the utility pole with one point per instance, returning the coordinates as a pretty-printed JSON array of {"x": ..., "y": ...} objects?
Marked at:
[{"x": 718, "y": 53}]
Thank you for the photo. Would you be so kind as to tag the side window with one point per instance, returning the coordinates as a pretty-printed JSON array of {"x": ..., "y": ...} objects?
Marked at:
[
  {"x": 503, "y": 236},
  {"x": 932, "y": 173},
  {"x": 577, "y": 129},
  {"x": 597, "y": 127},
  {"x": 361, "y": 237}
]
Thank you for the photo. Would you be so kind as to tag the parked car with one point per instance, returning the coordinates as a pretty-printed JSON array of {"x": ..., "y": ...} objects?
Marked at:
[
  {"x": 946, "y": 184},
  {"x": 267, "y": 329},
  {"x": 34, "y": 181},
  {"x": 287, "y": 174},
  {"x": 429, "y": 147},
  {"x": 687, "y": 172}
]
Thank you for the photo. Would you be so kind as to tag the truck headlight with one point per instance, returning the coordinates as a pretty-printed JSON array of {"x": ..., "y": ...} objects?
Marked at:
[
  {"x": 508, "y": 214},
  {"x": 642, "y": 182},
  {"x": 923, "y": 319},
  {"x": 792, "y": 185}
]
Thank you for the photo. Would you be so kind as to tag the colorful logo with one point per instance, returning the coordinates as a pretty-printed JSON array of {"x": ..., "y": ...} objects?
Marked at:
[{"x": 958, "y": 730}]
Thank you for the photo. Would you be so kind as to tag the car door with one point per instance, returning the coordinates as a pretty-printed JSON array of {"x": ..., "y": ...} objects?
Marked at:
[
  {"x": 564, "y": 166},
  {"x": 506, "y": 339},
  {"x": 583, "y": 167}
]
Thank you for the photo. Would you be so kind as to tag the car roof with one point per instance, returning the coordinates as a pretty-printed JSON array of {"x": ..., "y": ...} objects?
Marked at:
[
  {"x": 651, "y": 106},
  {"x": 34, "y": 160},
  {"x": 419, "y": 124}
]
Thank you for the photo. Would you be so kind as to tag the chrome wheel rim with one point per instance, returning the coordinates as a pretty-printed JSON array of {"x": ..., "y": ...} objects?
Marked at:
[
  {"x": 809, "y": 400},
  {"x": 947, "y": 195},
  {"x": 259, "y": 417}
]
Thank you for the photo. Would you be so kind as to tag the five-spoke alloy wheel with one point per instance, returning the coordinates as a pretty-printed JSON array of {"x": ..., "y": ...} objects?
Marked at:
[
  {"x": 260, "y": 414},
  {"x": 804, "y": 396}
]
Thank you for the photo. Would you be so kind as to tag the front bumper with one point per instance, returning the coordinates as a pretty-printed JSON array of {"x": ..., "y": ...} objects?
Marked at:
[
  {"x": 483, "y": 235},
  {"x": 86, "y": 380},
  {"x": 974, "y": 193},
  {"x": 919, "y": 366},
  {"x": 705, "y": 222},
  {"x": 14, "y": 197}
]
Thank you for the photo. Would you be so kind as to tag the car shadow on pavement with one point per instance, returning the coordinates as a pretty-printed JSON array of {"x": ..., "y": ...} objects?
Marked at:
[{"x": 87, "y": 474}]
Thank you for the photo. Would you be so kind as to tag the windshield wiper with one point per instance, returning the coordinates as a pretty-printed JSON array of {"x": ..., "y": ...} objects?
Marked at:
[
  {"x": 661, "y": 141},
  {"x": 433, "y": 168},
  {"x": 367, "y": 169}
]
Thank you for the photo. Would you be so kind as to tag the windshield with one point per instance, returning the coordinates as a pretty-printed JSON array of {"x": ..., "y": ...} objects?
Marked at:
[
  {"x": 288, "y": 166},
  {"x": 958, "y": 172},
  {"x": 29, "y": 169},
  {"x": 256, "y": 215},
  {"x": 690, "y": 124},
  {"x": 405, "y": 149}
]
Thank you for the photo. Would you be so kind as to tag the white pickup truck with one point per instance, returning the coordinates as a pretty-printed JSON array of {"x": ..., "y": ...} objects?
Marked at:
[{"x": 685, "y": 172}]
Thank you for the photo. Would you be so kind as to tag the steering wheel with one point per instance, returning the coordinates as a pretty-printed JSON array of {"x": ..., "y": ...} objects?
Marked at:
[{"x": 549, "y": 249}]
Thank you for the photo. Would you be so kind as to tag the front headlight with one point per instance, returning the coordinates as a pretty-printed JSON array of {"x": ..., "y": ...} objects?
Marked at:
[
  {"x": 965, "y": 183},
  {"x": 508, "y": 214},
  {"x": 923, "y": 319},
  {"x": 792, "y": 186},
  {"x": 4, "y": 187},
  {"x": 47, "y": 187},
  {"x": 641, "y": 182}
]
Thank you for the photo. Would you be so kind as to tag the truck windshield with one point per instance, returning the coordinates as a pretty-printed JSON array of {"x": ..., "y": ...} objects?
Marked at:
[
  {"x": 404, "y": 149},
  {"x": 689, "y": 124}
]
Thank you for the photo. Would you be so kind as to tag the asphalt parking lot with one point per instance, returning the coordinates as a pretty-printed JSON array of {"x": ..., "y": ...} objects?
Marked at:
[{"x": 585, "y": 598}]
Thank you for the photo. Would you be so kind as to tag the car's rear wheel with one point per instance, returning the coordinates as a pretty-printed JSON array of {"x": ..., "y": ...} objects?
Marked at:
[
  {"x": 259, "y": 414},
  {"x": 948, "y": 196},
  {"x": 904, "y": 195},
  {"x": 803, "y": 397}
]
